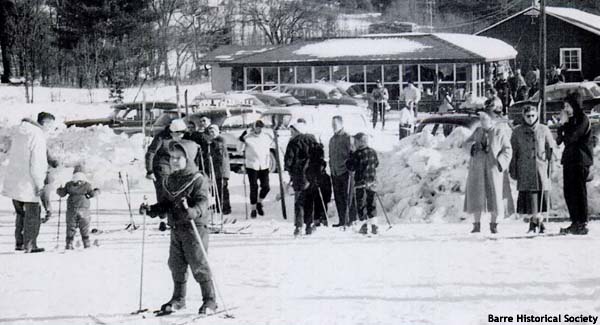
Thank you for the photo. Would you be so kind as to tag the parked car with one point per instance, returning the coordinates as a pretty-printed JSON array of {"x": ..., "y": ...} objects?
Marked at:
[
  {"x": 231, "y": 99},
  {"x": 555, "y": 95},
  {"x": 318, "y": 121},
  {"x": 127, "y": 117},
  {"x": 355, "y": 91},
  {"x": 319, "y": 93},
  {"x": 276, "y": 99},
  {"x": 446, "y": 123}
]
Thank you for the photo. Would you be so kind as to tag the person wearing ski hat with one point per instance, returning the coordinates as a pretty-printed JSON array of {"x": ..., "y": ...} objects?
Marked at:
[
  {"x": 24, "y": 181},
  {"x": 364, "y": 162},
  {"x": 257, "y": 162},
  {"x": 491, "y": 153},
  {"x": 220, "y": 163},
  {"x": 201, "y": 136},
  {"x": 185, "y": 201},
  {"x": 380, "y": 97},
  {"x": 157, "y": 156},
  {"x": 296, "y": 160},
  {"x": 80, "y": 192}
]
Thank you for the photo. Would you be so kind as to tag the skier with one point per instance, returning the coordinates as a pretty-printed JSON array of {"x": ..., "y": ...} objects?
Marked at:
[
  {"x": 201, "y": 136},
  {"x": 318, "y": 193},
  {"x": 490, "y": 156},
  {"x": 296, "y": 161},
  {"x": 577, "y": 158},
  {"x": 157, "y": 156},
  {"x": 24, "y": 181},
  {"x": 257, "y": 153},
  {"x": 407, "y": 122},
  {"x": 412, "y": 97},
  {"x": 364, "y": 163},
  {"x": 185, "y": 183},
  {"x": 220, "y": 161},
  {"x": 78, "y": 207},
  {"x": 502, "y": 86},
  {"x": 532, "y": 144},
  {"x": 380, "y": 97},
  {"x": 340, "y": 148}
]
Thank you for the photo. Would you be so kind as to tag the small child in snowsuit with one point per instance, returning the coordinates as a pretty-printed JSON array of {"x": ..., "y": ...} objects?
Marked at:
[
  {"x": 318, "y": 193},
  {"x": 364, "y": 163},
  {"x": 78, "y": 207},
  {"x": 185, "y": 201}
]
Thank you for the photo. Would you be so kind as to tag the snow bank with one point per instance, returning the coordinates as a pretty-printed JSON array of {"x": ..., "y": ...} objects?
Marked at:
[{"x": 423, "y": 179}]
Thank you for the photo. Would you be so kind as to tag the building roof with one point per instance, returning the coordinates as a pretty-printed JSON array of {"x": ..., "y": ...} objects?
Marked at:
[
  {"x": 386, "y": 48},
  {"x": 579, "y": 18}
]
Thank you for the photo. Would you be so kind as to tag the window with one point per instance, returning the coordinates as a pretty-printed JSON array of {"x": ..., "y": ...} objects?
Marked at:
[
  {"x": 570, "y": 58},
  {"x": 303, "y": 74}
]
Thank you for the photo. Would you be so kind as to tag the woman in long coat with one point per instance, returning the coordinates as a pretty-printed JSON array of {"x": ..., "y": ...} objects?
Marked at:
[
  {"x": 532, "y": 144},
  {"x": 490, "y": 156}
]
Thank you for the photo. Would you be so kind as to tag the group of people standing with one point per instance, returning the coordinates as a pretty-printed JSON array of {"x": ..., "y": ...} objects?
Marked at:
[{"x": 526, "y": 155}]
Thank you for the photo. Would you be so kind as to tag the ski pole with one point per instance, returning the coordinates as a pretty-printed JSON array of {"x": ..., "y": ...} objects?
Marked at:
[
  {"x": 245, "y": 192},
  {"x": 323, "y": 204},
  {"x": 97, "y": 229},
  {"x": 58, "y": 225},
  {"x": 349, "y": 201},
  {"x": 131, "y": 221},
  {"x": 205, "y": 253},
  {"x": 383, "y": 209},
  {"x": 140, "y": 310}
]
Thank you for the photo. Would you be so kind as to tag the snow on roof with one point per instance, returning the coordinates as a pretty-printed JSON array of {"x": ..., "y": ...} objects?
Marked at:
[
  {"x": 578, "y": 17},
  {"x": 487, "y": 47},
  {"x": 360, "y": 47}
]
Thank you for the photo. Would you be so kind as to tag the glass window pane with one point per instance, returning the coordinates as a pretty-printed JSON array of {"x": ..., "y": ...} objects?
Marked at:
[
  {"x": 321, "y": 73},
  {"x": 339, "y": 73},
  {"x": 356, "y": 73},
  {"x": 373, "y": 73},
  {"x": 461, "y": 72},
  {"x": 391, "y": 73},
  {"x": 427, "y": 72},
  {"x": 393, "y": 90},
  {"x": 254, "y": 76},
  {"x": 237, "y": 78},
  {"x": 270, "y": 75},
  {"x": 286, "y": 75},
  {"x": 446, "y": 72},
  {"x": 410, "y": 73},
  {"x": 304, "y": 75}
]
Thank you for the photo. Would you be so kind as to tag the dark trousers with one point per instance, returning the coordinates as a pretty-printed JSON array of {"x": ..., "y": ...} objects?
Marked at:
[
  {"x": 185, "y": 251},
  {"x": 78, "y": 219},
  {"x": 342, "y": 193},
  {"x": 365, "y": 200},
  {"x": 27, "y": 224},
  {"x": 315, "y": 209},
  {"x": 378, "y": 109},
  {"x": 223, "y": 190},
  {"x": 575, "y": 191},
  {"x": 253, "y": 177}
]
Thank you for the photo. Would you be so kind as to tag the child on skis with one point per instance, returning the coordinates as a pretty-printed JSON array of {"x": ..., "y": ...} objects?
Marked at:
[
  {"x": 364, "y": 163},
  {"x": 318, "y": 193},
  {"x": 185, "y": 201},
  {"x": 78, "y": 207}
]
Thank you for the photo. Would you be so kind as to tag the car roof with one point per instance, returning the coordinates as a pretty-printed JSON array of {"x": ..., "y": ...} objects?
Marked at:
[
  {"x": 273, "y": 94},
  {"x": 149, "y": 105},
  {"x": 460, "y": 119},
  {"x": 318, "y": 86},
  {"x": 225, "y": 110},
  {"x": 571, "y": 85},
  {"x": 325, "y": 109}
]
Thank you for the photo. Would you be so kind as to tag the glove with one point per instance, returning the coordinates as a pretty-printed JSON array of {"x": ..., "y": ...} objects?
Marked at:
[
  {"x": 151, "y": 177},
  {"x": 145, "y": 209},
  {"x": 564, "y": 117},
  {"x": 499, "y": 167}
]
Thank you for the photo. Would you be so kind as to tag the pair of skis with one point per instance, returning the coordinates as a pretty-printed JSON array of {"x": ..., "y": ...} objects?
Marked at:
[{"x": 127, "y": 192}]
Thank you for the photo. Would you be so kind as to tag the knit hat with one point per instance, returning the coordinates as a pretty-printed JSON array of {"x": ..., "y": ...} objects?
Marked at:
[
  {"x": 79, "y": 177},
  {"x": 259, "y": 124},
  {"x": 299, "y": 126},
  {"x": 178, "y": 125}
]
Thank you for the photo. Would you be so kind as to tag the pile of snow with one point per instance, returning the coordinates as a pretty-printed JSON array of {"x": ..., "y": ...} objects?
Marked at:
[
  {"x": 360, "y": 47},
  {"x": 423, "y": 179}
]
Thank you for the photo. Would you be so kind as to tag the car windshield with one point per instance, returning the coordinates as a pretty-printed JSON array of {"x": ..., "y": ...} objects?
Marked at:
[
  {"x": 595, "y": 90},
  {"x": 281, "y": 119},
  {"x": 239, "y": 121},
  {"x": 561, "y": 94},
  {"x": 355, "y": 90},
  {"x": 335, "y": 94},
  {"x": 287, "y": 101},
  {"x": 440, "y": 129}
]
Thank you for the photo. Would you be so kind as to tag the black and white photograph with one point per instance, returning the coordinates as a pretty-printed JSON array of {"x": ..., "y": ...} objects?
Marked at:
[{"x": 299, "y": 162}]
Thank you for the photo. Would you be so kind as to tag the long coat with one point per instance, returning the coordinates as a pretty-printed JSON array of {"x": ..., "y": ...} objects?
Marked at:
[
  {"x": 485, "y": 180},
  {"x": 532, "y": 148}
]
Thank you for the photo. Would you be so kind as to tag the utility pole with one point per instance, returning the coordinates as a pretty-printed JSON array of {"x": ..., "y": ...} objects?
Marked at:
[
  {"x": 430, "y": 8},
  {"x": 543, "y": 61}
]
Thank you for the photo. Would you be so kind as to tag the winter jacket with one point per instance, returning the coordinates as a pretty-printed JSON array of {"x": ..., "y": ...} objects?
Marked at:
[
  {"x": 380, "y": 95},
  {"x": 202, "y": 139},
  {"x": 257, "y": 150},
  {"x": 157, "y": 156},
  {"x": 487, "y": 166},
  {"x": 364, "y": 163},
  {"x": 297, "y": 153},
  {"x": 412, "y": 94},
  {"x": 575, "y": 134},
  {"x": 79, "y": 194},
  {"x": 187, "y": 185},
  {"x": 220, "y": 157},
  {"x": 532, "y": 150},
  {"x": 28, "y": 163},
  {"x": 340, "y": 148},
  {"x": 504, "y": 91},
  {"x": 317, "y": 177}
]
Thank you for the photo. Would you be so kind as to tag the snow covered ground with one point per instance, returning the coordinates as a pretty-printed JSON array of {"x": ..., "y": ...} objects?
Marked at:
[{"x": 426, "y": 270}]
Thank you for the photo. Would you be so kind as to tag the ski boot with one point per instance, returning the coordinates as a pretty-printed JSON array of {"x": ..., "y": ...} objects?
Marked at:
[
  {"x": 208, "y": 298},
  {"x": 493, "y": 227},
  {"x": 297, "y": 232},
  {"x": 69, "y": 244},
  {"x": 259, "y": 209},
  {"x": 532, "y": 225},
  {"x": 309, "y": 230},
  {"x": 581, "y": 229},
  {"x": 86, "y": 242},
  {"x": 374, "y": 229},
  {"x": 162, "y": 226},
  {"x": 177, "y": 301},
  {"x": 19, "y": 247},
  {"x": 542, "y": 228},
  {"x": 569, "y": 230},
  {"x": 476, "y": 227},
  {"x": 253, "y": 214},
  {"x": 364, "y": 229}
]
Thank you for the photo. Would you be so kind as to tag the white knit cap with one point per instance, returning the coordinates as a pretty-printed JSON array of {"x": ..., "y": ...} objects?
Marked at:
[
  {"x": 178, "y": 125},
  {"x": 79, "y": 177}
]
